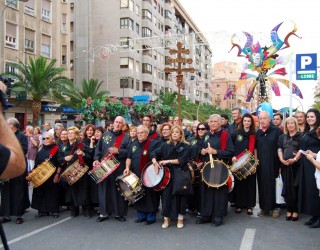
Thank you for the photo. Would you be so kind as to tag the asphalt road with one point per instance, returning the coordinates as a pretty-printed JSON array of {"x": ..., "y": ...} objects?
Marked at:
[{"x": 239, "y": 231}]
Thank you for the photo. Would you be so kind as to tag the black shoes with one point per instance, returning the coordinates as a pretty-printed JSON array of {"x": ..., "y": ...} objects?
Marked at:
[
  {"x": 217, "y": 221},
  {"x": 100, "y": 219},
  {"x": 316, "y": 224},
  {"x": 288, "y": 217},
  {"x": 19, "y": 220},
  {"x": 149, "y": 222},
  {"x": 120, "y": 218},
  {"x": 202, "y": 221},
  {"x": 140, "y": 220},
  {"x": 311, "y": 221},
  {"x": 55, "y": 215},
  {"x": 4, "y": 220}
]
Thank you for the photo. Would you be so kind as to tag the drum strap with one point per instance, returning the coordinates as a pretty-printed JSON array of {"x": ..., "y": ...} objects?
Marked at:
[
  {"x": 223, "y": 140},
  {"x": 252, "y": 140},
  {"x": 145, "y": 154},
  {"x": 154, "y": 135},
  {"x": 118, "y": 141},
  {"x": 53, "y": 151}
]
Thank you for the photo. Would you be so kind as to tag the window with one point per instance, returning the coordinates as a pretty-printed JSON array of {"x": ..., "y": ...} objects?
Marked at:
[
  {"x": 137, "y": 28},
  {"x": 137, "y": 84},
  {"x": 126, "y": 4},
  {"x": 126, "y": 23},
  {"x": 146, "y": 32},
  {"x": 137, "y": 10},
  {"x": 29, "y": 7},
  {"x": 64, "y": 55},
  {"x": 45, "y": 12},
  {"x": 147, "y": 68},
  {"x": 64, "y": 23},
  {"x": 126, "y": 63},
  {"x": 126, "y": 42},
  {"x": 146, "y": 14},
  {"x": 137, "y": 66},
  {"x": 126, "y": 82},
  {"x": 10, "y": 69},
  {"x": 12, "y": 3},
  {"x": 46, "y": 46},
  {"x": 11, "y": 35},
  {"x": 29, "y": 40},
  {"x": 167, "y": 14}
]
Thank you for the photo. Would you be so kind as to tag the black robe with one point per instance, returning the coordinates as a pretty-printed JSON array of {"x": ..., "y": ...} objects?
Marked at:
[
  {"x": 172, "y": 205},
  {"x": 45, "y": 198},
  {"x": 149, "y": 202},
  {"x": 110, "y": 199},
  {"x": 214, "y": 201},
  {"x": 290, "y": 146},
  {"x": 269, "y": 165},
  {"x": 78, "y": 193},
  {"x": 14, "y": 193},
  {"x": 309, "y": 200},
  {"x": 244, "y": 192}
]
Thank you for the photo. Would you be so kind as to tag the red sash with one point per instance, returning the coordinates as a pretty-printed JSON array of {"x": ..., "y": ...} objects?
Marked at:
[
  {"x": 223, "y": 140},
  {"x": 144, "y": 156},
  {"x": 53, "y": 151},
  {"x": 80, "y": 146},
  {"x": 252, "y": 141},
  {"x": 119, "y": 139},
  {"x": 154, "y": 136}
]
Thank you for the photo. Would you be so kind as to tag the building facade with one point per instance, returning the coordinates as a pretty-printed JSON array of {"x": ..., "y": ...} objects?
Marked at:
[{"x": 126, "y": 43}]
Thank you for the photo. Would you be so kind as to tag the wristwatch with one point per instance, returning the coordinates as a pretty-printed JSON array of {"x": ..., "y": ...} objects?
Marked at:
[{"x": 3, "y": 99}]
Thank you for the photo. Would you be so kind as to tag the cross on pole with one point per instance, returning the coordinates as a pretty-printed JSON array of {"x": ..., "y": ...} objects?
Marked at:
[{"x": 179, "y": 60}]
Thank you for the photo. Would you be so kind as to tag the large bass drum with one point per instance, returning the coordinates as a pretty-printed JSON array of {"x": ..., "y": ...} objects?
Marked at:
[{"x": 216, "y": 174}]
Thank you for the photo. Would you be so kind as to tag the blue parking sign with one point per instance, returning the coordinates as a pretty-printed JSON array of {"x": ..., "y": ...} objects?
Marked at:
[{"x": 306, "y": 66}]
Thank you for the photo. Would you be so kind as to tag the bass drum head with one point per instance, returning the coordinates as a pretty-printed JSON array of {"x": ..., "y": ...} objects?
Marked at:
[
  {"x": 125, "y": 190},
  {"x": 216, "y": 176},
  {"x": 149, "y": 178}
]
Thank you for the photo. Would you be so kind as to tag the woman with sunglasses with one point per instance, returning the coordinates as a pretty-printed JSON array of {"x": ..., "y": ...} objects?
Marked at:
[
  {"x": 194, "y": 201},
  {"x": 244, "y": 192}
]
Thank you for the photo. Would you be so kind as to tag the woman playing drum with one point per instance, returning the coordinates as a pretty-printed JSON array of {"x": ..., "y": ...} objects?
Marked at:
[
  {"x": 173, "y": 154},
  {"x": 245, "y": 189}
]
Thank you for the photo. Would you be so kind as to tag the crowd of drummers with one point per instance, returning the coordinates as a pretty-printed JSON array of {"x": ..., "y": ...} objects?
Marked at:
[{"x": 100, "y": 171}]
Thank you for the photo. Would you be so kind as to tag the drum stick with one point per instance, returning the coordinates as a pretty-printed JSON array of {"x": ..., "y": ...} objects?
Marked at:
[{"x": 210, "y": 155}]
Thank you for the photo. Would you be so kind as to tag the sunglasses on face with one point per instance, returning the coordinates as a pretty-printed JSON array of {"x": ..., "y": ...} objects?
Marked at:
[
  {"x": 201, "y": 129},
  {"x": 46, "y": 138}
]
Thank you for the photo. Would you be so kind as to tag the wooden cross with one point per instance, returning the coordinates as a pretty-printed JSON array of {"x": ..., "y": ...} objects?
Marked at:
[{"x": 180, "y": 60}]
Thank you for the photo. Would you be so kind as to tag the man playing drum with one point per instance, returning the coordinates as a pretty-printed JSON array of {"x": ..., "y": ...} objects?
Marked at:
[
  {"x": 214, "y": 201},
  {"x": 138, "y": 157},
  {"x": 112, "y": 142}
]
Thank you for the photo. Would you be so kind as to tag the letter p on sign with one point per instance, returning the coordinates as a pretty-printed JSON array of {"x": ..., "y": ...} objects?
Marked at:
[{"x": 305, "y": 61}]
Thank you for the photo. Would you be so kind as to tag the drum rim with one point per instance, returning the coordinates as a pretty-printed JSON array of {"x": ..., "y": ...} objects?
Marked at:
[
  {"x": 204, "y": 166},
  {"x": 162, "y": 186}
]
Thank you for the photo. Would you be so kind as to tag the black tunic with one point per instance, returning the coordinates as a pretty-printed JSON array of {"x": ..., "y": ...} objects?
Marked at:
[
  {"x": 290, "y": 146},
  {"x": 244, "y": 192},
  {"x": 78, "y": 193},
  {"x": 110, "y": 199},
  {"x": 309, "y": 200},
  {"x": 172, "y": 205},
  {"x": 149, "y": 202},
  {"x": 269, "y": 165},
  {"x": 214, "y": 201},
  {"x": 14, "y": 193},
  {"x": 45, "y": 198}
]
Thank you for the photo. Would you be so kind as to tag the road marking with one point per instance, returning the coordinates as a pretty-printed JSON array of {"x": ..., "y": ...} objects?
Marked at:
[
  {"x": 247, "y": 240},
  {"x": 36, "y": 231}
]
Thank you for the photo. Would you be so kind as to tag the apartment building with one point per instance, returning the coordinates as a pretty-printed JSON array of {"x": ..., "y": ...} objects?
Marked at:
[
  {"x": 30, "y": 28},
  {"x": 125, "y": 44}
]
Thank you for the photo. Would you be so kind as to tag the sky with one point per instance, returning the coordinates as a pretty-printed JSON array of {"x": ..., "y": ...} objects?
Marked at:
[{"x": 219, "y": 20}]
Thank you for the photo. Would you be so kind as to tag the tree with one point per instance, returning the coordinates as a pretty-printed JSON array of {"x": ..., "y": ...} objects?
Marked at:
[
  {"x": 39, "y": 79},
  {"x": 90, "y": 89}
]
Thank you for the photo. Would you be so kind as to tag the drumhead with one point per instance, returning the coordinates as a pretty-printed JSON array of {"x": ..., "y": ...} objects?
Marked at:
[
  {"x": 216, "y": 176},
  {"x": 240, "y": 161},
  {"x": 149, "y": 178}
]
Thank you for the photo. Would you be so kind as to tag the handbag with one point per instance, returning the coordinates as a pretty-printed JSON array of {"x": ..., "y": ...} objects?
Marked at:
[
  {"x": 182, "y": 183},
  {"x": 279, "y": 186}
]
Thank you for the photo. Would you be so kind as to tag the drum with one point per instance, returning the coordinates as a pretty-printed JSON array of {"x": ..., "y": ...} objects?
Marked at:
[
  {"x": 41, "y": 173},
  {"x": 195, "y": 172},
  {"x": 74, "y": 172},
  {"x": 216, "y": 175},
  {"x": 244, "y": 166},
  {"x": 230, "y": 183},
  {"x": 156, "y": 181},
  {"x": 106, "y": 167},
  {"x": 130, "y": 187}
]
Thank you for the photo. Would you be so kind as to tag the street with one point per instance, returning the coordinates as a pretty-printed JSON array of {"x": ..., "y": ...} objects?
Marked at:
[{"x": 239, "y": 231}]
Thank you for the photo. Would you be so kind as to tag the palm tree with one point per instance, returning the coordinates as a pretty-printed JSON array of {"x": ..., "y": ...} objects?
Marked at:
[
  {"x": 89, "y": 89},
  {"x": 39, "y": 79}
]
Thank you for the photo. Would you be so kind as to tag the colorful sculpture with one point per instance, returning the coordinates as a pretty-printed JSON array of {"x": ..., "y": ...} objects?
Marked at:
[{"x": 261, "y": 61}]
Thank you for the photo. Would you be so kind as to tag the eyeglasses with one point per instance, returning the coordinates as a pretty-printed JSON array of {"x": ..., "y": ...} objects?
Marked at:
[
  {"x": 165, "y": 129},
  {"x": 201, "y": 129},
  {"x": 146, "y": 120},
  {"x": 46, "y": 138}
]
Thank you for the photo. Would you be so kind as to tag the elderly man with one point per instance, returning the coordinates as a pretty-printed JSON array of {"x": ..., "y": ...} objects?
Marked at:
[
  {"x": 112, "y": 142},
  {"x": 214, "y": 201},
  {"x": 267, "y": 138},
  {"x": 14, "y": 193},
  {"x": 138, "y": 157},
  {"x": 45, "y": 198}
]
